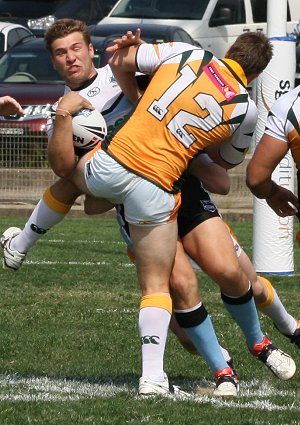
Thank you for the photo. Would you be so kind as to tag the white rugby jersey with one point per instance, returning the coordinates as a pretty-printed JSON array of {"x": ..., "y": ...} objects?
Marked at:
[
  {"x": 283, "y": 121},
  {"x": 106, "y": 96}
]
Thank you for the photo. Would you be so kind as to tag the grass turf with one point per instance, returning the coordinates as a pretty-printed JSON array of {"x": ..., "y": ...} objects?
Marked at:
[{"x": 69, "y": 346}]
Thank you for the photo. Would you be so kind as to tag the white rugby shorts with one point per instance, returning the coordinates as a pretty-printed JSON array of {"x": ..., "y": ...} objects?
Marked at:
[{"x": 144, "y": 202}]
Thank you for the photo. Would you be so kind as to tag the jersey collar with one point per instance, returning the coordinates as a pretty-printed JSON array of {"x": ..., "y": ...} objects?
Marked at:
[
  {"x": 236, "y": 69},
  {"x": 87, "y": 83}
]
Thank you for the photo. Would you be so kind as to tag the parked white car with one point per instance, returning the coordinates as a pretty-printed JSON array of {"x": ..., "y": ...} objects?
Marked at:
[
  {"x": 12, "y": 34},
  {"x": 215, "y": 24}
]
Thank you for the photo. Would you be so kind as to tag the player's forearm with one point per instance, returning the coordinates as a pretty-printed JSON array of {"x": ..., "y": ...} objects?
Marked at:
[
  {"x": 60, "y": 147},
  {"x": 263, "y": 188},
  {"x": 123, "y": 66}
]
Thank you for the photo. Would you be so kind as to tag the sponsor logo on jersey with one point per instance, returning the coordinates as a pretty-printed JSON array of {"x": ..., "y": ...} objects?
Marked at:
[
  {"x": 217, "y": 79},
  {"x": 113, "y": 81},
  {"x": 93, "y": 92}
]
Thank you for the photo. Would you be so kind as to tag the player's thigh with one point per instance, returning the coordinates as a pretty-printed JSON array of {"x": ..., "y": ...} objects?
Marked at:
[
  {"x": 155, "y": 248},
  {"x": 78, "y": 177},
  {"x": 211, "y": 246},
  {"x": 94, "y": 205}
]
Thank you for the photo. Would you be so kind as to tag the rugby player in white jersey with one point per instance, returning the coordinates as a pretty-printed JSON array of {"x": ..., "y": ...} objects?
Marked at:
[
  {"x": 73, "y": 59},
  {"x": 282, "y": 133}
]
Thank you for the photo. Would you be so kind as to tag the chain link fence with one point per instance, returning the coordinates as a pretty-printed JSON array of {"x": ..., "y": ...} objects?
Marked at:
[
  {"x": 25, "y": 172},
  {"x": 24, "y": 168}
]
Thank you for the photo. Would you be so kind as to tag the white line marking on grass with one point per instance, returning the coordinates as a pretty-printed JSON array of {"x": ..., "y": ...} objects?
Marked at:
[
  {"x": 74, "y": 263},
  {"x": 87, "y": 241},
  {"x": 19, "y": 388}
]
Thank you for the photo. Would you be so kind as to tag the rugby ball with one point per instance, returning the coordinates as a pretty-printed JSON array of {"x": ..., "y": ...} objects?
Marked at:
[{"x": 89, "y": 128}]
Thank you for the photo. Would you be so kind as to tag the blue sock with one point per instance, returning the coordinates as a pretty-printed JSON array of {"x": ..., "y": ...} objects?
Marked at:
[
  {"x": 198, "y": 326},
  {"x": 244, "y": 313}
]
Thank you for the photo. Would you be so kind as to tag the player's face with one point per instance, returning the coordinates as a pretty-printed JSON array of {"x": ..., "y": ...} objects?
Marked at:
[{"x": 73, "y": 59}]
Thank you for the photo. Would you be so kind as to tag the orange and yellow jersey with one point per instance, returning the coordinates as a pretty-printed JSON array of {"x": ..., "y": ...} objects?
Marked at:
[
  {"x": 283, "y": 122},
  {"x": 193, "y": 100}
]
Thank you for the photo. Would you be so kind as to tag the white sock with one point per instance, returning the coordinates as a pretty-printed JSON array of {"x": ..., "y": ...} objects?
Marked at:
[
  {"x": 41, "y": 220},
  {"x": 153, "y": 330},
  {"x": 285, "y": 323}
]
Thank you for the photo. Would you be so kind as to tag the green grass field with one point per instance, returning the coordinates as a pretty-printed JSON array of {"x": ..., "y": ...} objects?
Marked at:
[{"x": 69, "y": 346}]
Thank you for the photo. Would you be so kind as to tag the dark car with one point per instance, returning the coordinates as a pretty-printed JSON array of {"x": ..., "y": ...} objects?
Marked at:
[
  {"x": 39, "y": 14},
  {"x": 104, "y": 34},
  {"x": 27, "y": 74}
]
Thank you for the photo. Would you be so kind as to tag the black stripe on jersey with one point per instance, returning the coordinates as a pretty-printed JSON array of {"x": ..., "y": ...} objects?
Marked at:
[
  {"x": 235, "y": 120},
  {"x": 87, "y": 83},
  {"x": 293, "y": 120},
  {"x": 112, "y": 107},
  {"x": 233, "y": 73},
  {"x": 207, "y": 57},
  {"x": 239, "y": 98}
]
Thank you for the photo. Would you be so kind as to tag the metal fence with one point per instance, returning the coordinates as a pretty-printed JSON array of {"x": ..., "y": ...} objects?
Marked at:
[
  {"x": 24, "y": 169},
  {"x": 25, "y": 173}
]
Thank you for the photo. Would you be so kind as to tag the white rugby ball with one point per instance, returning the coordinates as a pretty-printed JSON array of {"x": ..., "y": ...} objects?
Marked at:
[{"x": 89, "y": 128}]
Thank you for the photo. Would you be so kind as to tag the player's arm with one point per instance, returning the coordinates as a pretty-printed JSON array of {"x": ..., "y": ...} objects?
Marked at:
[
  {"x": 268, "y": 154},
  {"x": 128, "y": 39},
  {"x": 61, "y": 153},
  {"x": 232, "y": 151},
  {"x": 123, "y": 65},
  {"x": 9, "y": 106},
  {"x": 213, "y": 177}
]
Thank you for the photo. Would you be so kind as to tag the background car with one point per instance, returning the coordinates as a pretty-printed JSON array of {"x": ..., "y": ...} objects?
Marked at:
[
  {"x": 12, "y": 34},
  {"x": 27, "y": 74},
  {"x": 39, "y": 14},
  {"x": 151, "y": 33},
  {"x": 104, "y": 34}
]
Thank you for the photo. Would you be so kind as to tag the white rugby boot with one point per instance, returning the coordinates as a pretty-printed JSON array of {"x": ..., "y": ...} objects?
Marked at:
[{"x": 11, "y": 259}]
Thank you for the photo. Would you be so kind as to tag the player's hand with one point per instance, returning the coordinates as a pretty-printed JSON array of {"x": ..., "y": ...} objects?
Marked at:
[
  {"x": 128, "y": 39},
  {"x": 73, "y": 103},
  {"x": 9, "y": 106},
  {"x": 283, "y": 202}
]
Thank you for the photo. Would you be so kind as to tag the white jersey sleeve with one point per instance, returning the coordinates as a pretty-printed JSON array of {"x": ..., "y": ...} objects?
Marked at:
[
  {"x": 234, "y": 149},
  {"x": 284, "y": 116},
  {"x": 151, "y": 56}
]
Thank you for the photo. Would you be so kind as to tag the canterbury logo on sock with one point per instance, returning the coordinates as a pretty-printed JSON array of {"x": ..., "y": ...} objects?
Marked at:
[
  {"x": 150, "y": 339},
  {"x": 37, "y": 229}
]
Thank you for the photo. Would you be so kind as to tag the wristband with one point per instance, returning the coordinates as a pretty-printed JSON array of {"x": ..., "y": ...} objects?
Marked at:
[{"x": 65, "y": 113}]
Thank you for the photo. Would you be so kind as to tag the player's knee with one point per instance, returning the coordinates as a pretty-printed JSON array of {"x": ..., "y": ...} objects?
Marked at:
[{"x": 230, "y": 273}]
